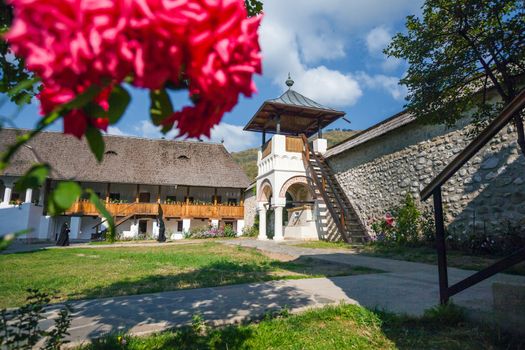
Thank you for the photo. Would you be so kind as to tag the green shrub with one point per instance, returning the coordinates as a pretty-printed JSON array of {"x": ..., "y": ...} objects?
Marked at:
[
  {"x": 19, "y": 328},
  {"x": 229, "y": 232},
  {"x": 407, "y": 223},
  {"x": 250, "y": 231}
]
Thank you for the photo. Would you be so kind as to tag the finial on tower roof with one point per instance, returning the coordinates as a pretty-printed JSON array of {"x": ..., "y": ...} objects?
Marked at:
[{"x": 289, "y": 82}]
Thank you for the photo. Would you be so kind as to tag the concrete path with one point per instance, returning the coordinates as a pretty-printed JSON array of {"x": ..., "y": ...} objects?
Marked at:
[
  {"x": 404, "y": 287},
  {"x": 407, "y": 287}
]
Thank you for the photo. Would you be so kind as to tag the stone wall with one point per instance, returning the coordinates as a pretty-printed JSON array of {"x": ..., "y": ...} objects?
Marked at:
[
  {"x": 250, "y": 207},
  {"x": 486, "y": 195}
]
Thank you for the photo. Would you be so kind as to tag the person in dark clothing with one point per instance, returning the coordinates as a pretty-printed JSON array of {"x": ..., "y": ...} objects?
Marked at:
[{"x": 63, "y": 237}]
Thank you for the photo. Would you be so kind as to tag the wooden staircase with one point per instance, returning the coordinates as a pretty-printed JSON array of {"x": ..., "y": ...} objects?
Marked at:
[{"x": 345, "y": 218}]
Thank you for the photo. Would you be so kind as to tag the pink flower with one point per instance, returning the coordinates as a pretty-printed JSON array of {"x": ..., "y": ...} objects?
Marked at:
[
  {"x": 72, "y": 44},
  {"x": 389, "y": 219}
]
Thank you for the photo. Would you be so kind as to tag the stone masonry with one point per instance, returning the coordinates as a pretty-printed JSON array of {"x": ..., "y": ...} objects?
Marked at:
[{"x": 486, "y": 195}]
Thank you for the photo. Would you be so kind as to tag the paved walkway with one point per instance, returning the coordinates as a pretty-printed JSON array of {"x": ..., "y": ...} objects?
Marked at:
[{"x": 405, "y": 287}]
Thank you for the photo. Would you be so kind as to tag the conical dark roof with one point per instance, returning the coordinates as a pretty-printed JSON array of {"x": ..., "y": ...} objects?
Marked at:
[
  {"x": 292, "y": 97},
  {"x": 298, "y": 115}
]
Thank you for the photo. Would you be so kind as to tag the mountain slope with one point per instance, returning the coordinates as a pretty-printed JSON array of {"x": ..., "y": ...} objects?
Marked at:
[{"x": 248, "y": 159}]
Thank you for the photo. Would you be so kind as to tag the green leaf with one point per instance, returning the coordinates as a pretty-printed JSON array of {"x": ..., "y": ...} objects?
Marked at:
[
  {"x": 33, "y": 178},
  {"x": 160, "y": 107},
  {"x": 23, "y": 85},
  {"x": 93, "y": 198},
  {"x": 63, "y": 197},
  {"x": 7, "y": 239},
  {"x": 95, "y": 142},
  {"x": 118, "y": 102},
  {"x": 94, "y": 110}
]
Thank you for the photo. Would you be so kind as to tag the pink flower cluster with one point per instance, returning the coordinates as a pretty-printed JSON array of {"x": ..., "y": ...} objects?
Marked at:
[{"x": 210, "y": 45}]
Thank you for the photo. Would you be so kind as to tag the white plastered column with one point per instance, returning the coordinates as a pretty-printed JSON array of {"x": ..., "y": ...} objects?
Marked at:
[
  {"x": 262, "y": 221},
  {"x": 8, "y": 192},
  {"x": 74, "y": 227},
  {"x": 278, "y": 231},
  {"x": 29, "y": 195},
  {"x": 278, "y": 206},
  {"x": 186, "y": 225},
  {"x": 240, "y": 227}
]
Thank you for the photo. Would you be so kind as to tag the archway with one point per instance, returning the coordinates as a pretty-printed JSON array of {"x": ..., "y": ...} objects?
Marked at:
[{"x": 298, "y": 219}]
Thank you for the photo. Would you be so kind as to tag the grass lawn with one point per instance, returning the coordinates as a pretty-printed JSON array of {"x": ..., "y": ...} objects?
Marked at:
[
  {"x": 335, "y": 327},
  {"x": 78, "y": 273},
  {"x": 417, "y": 254}
]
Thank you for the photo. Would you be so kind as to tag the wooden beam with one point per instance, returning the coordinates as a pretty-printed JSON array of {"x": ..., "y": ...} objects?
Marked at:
[{"x": 108, "y": 188}]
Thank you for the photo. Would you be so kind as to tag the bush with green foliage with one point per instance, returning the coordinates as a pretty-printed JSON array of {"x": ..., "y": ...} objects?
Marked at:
[
  {"x": 19, "y": 328},
  {"x": 405, "y": 225},
  {"x": 229, "y": 231},
  {"x": 250, "y": 231}
]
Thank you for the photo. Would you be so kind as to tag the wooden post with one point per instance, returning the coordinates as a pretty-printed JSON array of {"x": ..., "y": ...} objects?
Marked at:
[
  {"x": 440, "y": 246},
  {"x": 158, "y": 195},
  {"x": 188, "y": 195},
  {"x": 137, "y": 194},
  {"x": 241, "y": 197},
  {"x": 107, "y": 192},
  {"x": 263, "y": 137},
  {"x": 215, "y": 196}
]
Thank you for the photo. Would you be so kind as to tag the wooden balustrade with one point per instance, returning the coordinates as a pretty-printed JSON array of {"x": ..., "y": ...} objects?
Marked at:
[
  {"x": 294, "y": 144},
  {"x": 266, "y": 149},
  {"x": 172, "y": 210}
]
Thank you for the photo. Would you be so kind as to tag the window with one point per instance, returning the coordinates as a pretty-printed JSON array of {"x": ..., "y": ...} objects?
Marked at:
[
  {"x": 111, "y": 152},
  {"x": 189, "y": 199},
  {"x": 232, "y": 201},
  {"x": 144, "y": 197},
  {"x": 114, "y": 197},
  {"x": 179, "y": 226},
  {"x": 171, "y": 199},
  {"x": 183, "y": 157},
  {"x": 219, "y": 199}
]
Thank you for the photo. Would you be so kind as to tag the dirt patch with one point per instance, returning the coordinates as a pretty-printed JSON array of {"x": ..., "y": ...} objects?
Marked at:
[{"x": 277, "y": 256}]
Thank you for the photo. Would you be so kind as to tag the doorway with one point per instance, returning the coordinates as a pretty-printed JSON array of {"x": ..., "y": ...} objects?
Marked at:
[
  {"x": 143, "y": 226},
  {"x": 144, "y": 197}
]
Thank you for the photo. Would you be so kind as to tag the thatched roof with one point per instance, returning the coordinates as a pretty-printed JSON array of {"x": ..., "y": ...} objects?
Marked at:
[{"x": 128, "y": 160}]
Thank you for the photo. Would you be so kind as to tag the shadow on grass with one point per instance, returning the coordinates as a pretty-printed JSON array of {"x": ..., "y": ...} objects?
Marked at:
[
  {"x": 175, "y": 307},
  {"x": 225, "y": 273},
  {"x": 333, "y": 327}
]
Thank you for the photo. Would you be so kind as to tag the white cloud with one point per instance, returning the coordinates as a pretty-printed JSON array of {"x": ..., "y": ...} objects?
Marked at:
[
  {"x": 387, "y": 83},
  {"x": 377, "y": 39},
  {"x": 233, "y": 136},
  {"x": 324, "y": 85},
  {"x": 329, "y": 87},
  {"x": 301, "y": 36},
  {"x": 113, "y": 130}
]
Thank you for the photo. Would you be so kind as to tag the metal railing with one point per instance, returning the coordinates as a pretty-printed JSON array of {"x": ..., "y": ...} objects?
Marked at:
[{"x": 510, "y": 112}]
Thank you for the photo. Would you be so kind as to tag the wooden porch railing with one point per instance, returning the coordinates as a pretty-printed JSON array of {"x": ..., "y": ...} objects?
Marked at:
[
  {"x": 266, "y": 149},
  {"x": 171, "y": 210},
  {"x": 294, "y": 144}
]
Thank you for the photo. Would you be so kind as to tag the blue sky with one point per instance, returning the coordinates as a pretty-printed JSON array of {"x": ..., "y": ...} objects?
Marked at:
[{"x": 332, "y": 48}]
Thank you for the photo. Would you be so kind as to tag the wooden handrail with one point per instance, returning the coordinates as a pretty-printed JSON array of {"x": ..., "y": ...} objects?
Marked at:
[
  {"x": 495, "y": 126},
  {"x": 338, "y": 223}
]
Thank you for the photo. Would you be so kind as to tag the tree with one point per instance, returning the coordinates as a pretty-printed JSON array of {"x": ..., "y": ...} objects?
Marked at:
[{"x": 457, "y": 52}]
